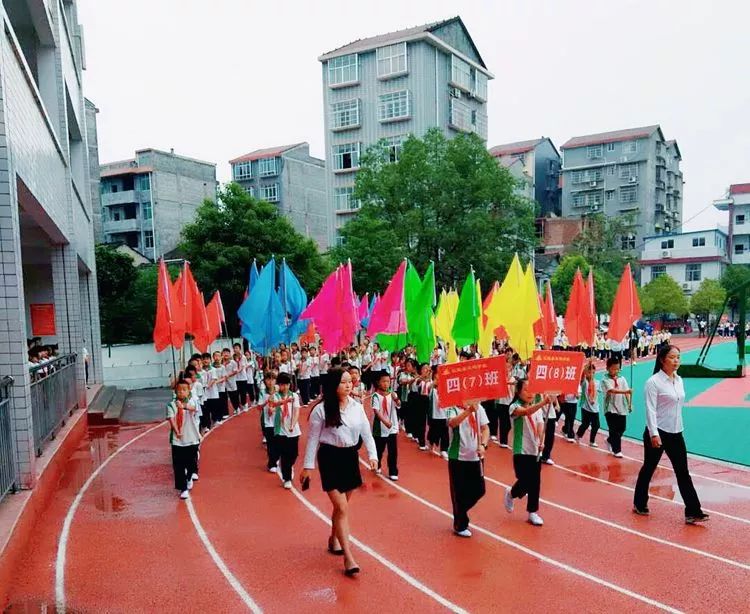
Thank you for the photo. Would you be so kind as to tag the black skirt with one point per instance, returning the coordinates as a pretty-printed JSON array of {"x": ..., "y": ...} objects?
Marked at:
[{"x": 339, "y": 468}]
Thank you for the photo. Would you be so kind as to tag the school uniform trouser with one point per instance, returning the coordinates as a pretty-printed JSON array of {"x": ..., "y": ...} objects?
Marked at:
[
  {"x": 549, "y": 437},
  {"x": 420, "y": 419},
  {"x": 234, "y": 399},
  {"x": 288, "y": 450},
  {"x": 185, "y": 464},
  {"x": 272, "y": 449},
  {"x": 304, "y": 390},
  {"x": 217, "y": 408},
  {"x": 589, "y": 418},
  {"x": 242, "y": 391},
  {"x": 391, "y": 444},
  {"x": 528, "y": 480},
  {"x": 616, "y": 427},
  {"x": 674, "y": 445},
  {"x": 205, "y": 419},
  {"x": 490, "y": 407},
  {"x": 438, "y": 434},
  {"x": 411, "y": 412},
  {"x": 467, "y": 487},
  {"x": 314, "y": 387},
  {"x": 223, "y": 410},
  {"x": 503, "y": 413},
  {"x": 569, "y": 413}
]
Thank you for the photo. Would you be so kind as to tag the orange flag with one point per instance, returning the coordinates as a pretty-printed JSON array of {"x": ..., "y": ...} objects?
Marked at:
[
  {"x": 178, "y": 312},
  {"x": 626, "y": 309},
  {"x": 546, "y": 327},
  {"x": 579, "y": 321},
  {"x": 196, "y": 323},
  {"x": 163, "y": 323},
  {"x": 213, "y": 313}
]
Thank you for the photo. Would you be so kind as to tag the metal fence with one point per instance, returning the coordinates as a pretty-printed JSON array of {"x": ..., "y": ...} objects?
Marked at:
[
  {"x": 53, "y": 397},
  {"x": 8, "y": 470}
]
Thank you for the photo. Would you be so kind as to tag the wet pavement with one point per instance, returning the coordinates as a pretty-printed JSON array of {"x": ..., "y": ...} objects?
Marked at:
[{"x": 143, "y": 406}]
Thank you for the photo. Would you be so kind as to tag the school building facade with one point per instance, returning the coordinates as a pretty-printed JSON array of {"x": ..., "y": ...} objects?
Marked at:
[
  {"x": 48, "y": 287},
  {"x": 736, "y": 203}
]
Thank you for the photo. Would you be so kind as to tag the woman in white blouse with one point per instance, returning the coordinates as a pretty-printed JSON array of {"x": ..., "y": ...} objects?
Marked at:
[
  {"x": 665, "y": 396},
  {"x": 336, "y": 425}
]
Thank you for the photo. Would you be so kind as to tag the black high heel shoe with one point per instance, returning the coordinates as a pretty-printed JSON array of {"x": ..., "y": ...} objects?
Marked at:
[
  {"x": 351, "y": 571},
  {"x": 332, "y": 550}
]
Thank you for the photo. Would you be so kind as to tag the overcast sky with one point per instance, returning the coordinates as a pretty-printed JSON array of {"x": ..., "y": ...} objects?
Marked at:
[{"x": 217, "y": 79}]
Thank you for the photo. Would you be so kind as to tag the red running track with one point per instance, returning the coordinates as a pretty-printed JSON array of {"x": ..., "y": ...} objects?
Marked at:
[{"x": 133, "y": 546}]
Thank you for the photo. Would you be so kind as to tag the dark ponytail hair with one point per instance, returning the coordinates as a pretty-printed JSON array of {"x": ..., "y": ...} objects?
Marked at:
[
  {"x": 331, "y": 403},
  {"x": 517, "y": 391},
  {"x": 661, "y": 355}
]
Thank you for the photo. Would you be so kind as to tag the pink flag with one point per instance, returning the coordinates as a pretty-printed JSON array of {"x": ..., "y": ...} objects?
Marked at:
[
  {"x": 364, "y": 307},
  {"x": 388, "y": 316},
  {"x": 347, "y": 314}
]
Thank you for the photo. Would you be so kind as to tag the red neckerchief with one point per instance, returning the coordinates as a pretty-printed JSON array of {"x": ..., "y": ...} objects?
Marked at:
[{"x": 179, "y": 414}]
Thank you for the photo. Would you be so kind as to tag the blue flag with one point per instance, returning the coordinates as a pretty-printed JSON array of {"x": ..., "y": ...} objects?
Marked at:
[{"x": 261, "y": 312}]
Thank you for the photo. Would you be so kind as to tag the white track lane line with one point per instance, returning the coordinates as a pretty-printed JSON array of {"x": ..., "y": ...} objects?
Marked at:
[
  {"x": 62, "y": 544},
  {"x": 385, "y": 562},
  {"x": 537, "y": 555}
]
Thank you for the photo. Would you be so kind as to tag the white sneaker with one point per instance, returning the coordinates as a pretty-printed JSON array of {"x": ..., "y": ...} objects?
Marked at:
[
  {"x": 444, "y": 455},
  {"x": 508, "y": 500},
  {"x": 410, "y": 436},
  {"x": 393, "y": 478},
  {"x": 570, "y": 439},
  {"x": 549, "y": 461},
  {"x": 190, "y": 485},
  {"x": 593, "y": 444},
  {"x": 184, "y": 494},
  {"x": 464, "y": 533},
  {"x": 535, "y": 519},
  {"x": 504, "y": 445},
  {"x": 264, "y": 440},
  {"x": 493, "y": 438},
  {"x": 378, "y": 471},
  {"x": 618, "y": 454},
  {"x": 423, "y": 448},
  {"x": 194, "y": 477},
  {"x": 273, "y": 469},
  {"x": 288, "y": 485}
]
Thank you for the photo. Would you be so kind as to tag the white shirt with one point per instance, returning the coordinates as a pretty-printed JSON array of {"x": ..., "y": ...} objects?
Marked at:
[
  {"x": 315, "y": 369},
  {"x": 220, "y": 372},
  {"x": 212, "y": 388},
  {"x": 241, "y": 367},
  {"x": 230, "y": 369},
  {"x": 463, "y": 439},
  {"x": 525, "y": 439},
  {"x": 305, "y": 368},
  {"x": 385, "y": 405},
  {"x": 354, "y": 424},
  {"x": 438, "y": 413},
  {"x": 268, "y": 411},
  {"x": 615, "y": 403},
  {"x": 285, "y": 367},
  {"x": 283, "y": 423},
  {"x": 324, "y": 361},
  {"x": 190, "y": 434},
  {"x": 664, "y": 399}
]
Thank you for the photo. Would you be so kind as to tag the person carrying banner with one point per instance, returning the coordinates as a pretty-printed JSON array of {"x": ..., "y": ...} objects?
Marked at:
[
  {"x": 267, "y": 390},
  {"x": 183, "y": 437}
]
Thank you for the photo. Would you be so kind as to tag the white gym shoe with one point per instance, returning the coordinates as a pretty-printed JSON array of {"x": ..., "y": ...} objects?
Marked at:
[
  {"x": 190, "y": 485},
  {"x": 508, "y": 500},
  {"x": 423, "y": 448},
  {"x": 288, "y": 485},
  {"x": 184, "y": 494},
  {"x": 504, "y": 445},
  {"x": 264, "y": 440},
  {"x": 593, "y": 444},
  {"x": 194, "y": 477},
  {"x": 410, "y": 436},
  {"x": 273, "y": 469},
  {"x": 618, "y": 454},
  {"x": 549, "y": 461},
  {"x": 393, "y": 478},
  {"x": 493, "y": 438},
  {"x": 535, "y": 519},
  {"x": 464, "y": 533},
  {"x": 444, "y": 455}
]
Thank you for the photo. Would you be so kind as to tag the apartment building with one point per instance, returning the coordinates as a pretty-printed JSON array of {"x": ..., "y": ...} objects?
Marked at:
[
  {"x": 395, "y": 85},
  {"x": 634, "y": 172},
  {"x": 736, "y": 203},
  {"x": 147, "y": 200},
  {"x": 294, "y": 181}
]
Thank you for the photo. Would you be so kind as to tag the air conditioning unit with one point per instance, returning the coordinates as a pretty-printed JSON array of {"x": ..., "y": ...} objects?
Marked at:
[
  {"x": 686, "y": 286},
  {"x": 623, "y": 158},
  {"x": 455, "y": 92},
  {"x": 633, "y": 179},
  {"x": 592, "y": 184},
  {"x": 666, "y": 253}
]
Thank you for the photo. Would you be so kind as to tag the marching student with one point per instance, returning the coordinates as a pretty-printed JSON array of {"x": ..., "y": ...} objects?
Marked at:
[
  {"x": 219, "y": 374},
  {"x": 528, "y": 432},
  {"x": 503, "y": 403},
  {"x": 569, "y": 407},
  {"x": 240, "y": 365},
  {"x": 617, "y": 405},
  {"x": 665, "y": 395},
  {"x": 468, "y": 434},
  {"x": 286, "y": 426},
  {"x": 589, "y": 405},
  {"x": 183, "y": 438},
  {"x": 422, "y": 405},
  {"x": 210, "y": 392},
  {"x": 285, "y": 364},
  {"x": 267, "y": 414},
  {"x": 336, "y": 425},
  {"x": 304, "y": 375},
  {"x": 230, "y": 375},
  {"x": 358, "y": 388},
  {"x": 406, "y": 378},
  {"x": 252, "y": 389},
  {"x": 385, "y": 422},
  {"x": 551, "y": 414},
  {"x": 438, "y": 433}
]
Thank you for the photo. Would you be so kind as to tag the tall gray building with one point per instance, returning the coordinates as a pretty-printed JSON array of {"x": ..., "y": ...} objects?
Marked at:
[
  {"x": 291, "y": 178},
  {"x": 392, "y": 86},
  {"x": 146, "y": 201},
  {"x": 627, "y": 172}
]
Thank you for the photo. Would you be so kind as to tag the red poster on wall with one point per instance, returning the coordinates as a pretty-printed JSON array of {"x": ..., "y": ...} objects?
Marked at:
[
  {"x": 472, "y": 380},
  {"x": 555, "y": 372},
  {"x": 42, "y": 319}
]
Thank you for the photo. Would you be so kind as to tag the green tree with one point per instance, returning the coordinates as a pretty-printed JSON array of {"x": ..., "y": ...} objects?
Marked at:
[
  {"x": 647, "y": 303},
  {"x": 601, "y": 242},
  {"x": 605, "y": 284},
  {"x": 667, "y": 297},
  {"x": 115, "y": 275},
  {"x": 708, "y": 298},
  {"x": 443, "y": 200},
  {"x": 225, "y": 238},
  {"x": 734, "y": 276}
]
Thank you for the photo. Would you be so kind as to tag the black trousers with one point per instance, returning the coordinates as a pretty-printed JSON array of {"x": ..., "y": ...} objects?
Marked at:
[
  {"x": 288, "y": 450},
  {"x": 234, "y": 399},
  {"x": 569, "y": 414},
  {"x": 271, "y": 447},
  {"x": 589, "y": 418},
  {"x": 242, "y": 389},
  {"x": 215, "y": 408},
  {"x": 420, "y": 410},
  {"x": 390, "y": 443},
  {"x": 490, "y": 407},
  {"x": 503, "y": 413},
  {"x": 674, "y": 445},
  {"x": 205, "y": 420},
  {"x": 438, "y": 433},
  {"x": 616, "y": 425},
  {"x": 528, "y": 480},
  {"x": 411, "y": 412},
  {"x": 223, "y": 408},
  {"x": 549, "y": 437},
  {"x": 185, "y": 464},
  {"x": 467, "y": 487},
  {"x": 314, "y": 387},
  {"x": 304, "y": 390}
]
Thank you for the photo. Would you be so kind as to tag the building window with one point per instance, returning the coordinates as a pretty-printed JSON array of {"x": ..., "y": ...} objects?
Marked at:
[
  {"x": 610, "y": 194},
  {"x": 739, "y": 220},
  {"x": 344, "y": 69},
  {"x": 668, "y": 244},
  {"x": 267, "y": 167},
  {"x": 143, "y": 183},
  {"x": 630, "y": 147},
  {"x": 270, "y": 193},
  {"x": 250, "y": 191},
  {"x": 480, "y": 86},
  {"x": 346, "y": 156},
  {"x": 657, "y": 270},
  {"x": 146, "y": 208},
  {"x": 460, "y": 116},
  {"x": 739, "y": 248},
  {"x": 460, "y": 74},
  {"x": 242, "y": 170},
  {"x": 114, "y": 188},
  {"x": 595, "y": 174},
  {"x": 628, "y": 194},
  {"x": 391, "y": 60},
  {"x": 148, "y": 239},
  {"x": 594, "y": 151},
  {"x": 345, "y": 114},
  {"x": 611, "y": 170},
  {"x": 610, "y": 146},
  {"x": 693, "y": 272},
  {"x": 578, "y": 200},
  {"x": 699, "y": 241},
  {"x": 594, "y": 199},
  {"x": 627, "y": 241},
  {"x": 394, "y": 105},
  {"x": 344, "y": 199},
  {"x": 479, "y": 121},
  {"x": 628, "y": 170},
  {"x": 395, "y": 144}
]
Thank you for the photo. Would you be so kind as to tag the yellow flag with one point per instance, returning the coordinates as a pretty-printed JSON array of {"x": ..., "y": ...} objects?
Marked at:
[
  {"x": 444, "y": 318},
  {"x": 487, "y": 331}
]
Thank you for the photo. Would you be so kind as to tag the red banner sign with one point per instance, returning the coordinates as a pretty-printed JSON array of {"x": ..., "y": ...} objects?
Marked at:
[
  {"x": 42, "y": 319},
  {"x": 472, "y": 380},
  {"x": 556, "y": 372}
]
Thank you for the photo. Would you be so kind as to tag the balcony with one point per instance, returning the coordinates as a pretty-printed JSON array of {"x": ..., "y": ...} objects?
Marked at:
[
  {"x": 660, "y": 185},
  {"x": 661, "y": 161},
  {"x": 119, "y": 198},
  {"x": 116, "y": 226},
  {"x": 659, "y": 208}
]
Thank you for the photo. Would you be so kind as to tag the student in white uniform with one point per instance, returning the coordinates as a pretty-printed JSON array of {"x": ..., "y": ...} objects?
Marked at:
[
  {"x": 617, "y": 404},
  {"x": 438, "y": 433},
  {"x": 550, "y": 413},
  {"x": 267, "y": 414},
  {"x": 286, "y": 426},
  {"x": 336, "y": 424},
  {"x": 184, "y": 438},
  {"x": 314, "y": 373},
  {"x": 589, "y": 405},
  {"x": 385, "y": 422},
  {"x": 230, "y": 373},
  {"x": 665, "y": 395},
  {"x": 304, "y": 375},
  {"x": 240, "y": 365},
  {"x": 469, "y": 433}
]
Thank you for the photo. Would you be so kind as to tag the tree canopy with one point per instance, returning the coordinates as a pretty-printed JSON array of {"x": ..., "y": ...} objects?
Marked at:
[
  {"x": 445, "y": 200},
  {"x": 602, "y": 241},
  {"x": 605, "y": 284},
  {"x": 734, "y": 276},
  {"x": 708, "y": 298},
  {"x": 666, "y": 297},
  {"x": 115, "y": 276}
]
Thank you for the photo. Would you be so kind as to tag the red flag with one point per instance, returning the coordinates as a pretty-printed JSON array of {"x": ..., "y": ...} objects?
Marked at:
[
  {"x": 308, "y": 337},
  {"x": 592, "y": 302},
  {"x": 579, "y": 321},
  {"x": 163, "y": 323},
  {"x": 213, "y": 314},
  {"x": 178, "y": 312},
  {"x": 195, "y": 321},
  {"x": 203, "y": 336},
  {"x": 626, "y": 309},
  {"x": 546, "y": 327}
]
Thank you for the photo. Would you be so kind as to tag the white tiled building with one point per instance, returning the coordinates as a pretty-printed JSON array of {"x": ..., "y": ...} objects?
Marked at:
[{"x": 737, "y": 205}]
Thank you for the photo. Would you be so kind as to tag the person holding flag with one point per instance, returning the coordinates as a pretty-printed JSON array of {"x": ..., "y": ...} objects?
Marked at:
[{"x": 183, "y": 437}]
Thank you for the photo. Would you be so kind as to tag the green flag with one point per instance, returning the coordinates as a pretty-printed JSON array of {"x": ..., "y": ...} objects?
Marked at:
[
  {"x": 466, "y": 326},
  {"x": 420, "y": 303}
]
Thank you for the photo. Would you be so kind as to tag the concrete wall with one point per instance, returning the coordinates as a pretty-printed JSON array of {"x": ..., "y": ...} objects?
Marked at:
[{"x": 94, "y": 178}]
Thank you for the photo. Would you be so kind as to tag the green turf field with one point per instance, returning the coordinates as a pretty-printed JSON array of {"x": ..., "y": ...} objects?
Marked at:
[{"x": 717, "y": 432}]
